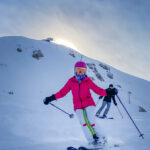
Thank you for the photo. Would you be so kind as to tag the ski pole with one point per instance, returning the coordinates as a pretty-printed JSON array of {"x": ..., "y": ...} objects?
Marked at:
[
  {"x": 70, "y": 115},
  {"x": 141, "y": 134},
  {"x": 120, "y": 112}
]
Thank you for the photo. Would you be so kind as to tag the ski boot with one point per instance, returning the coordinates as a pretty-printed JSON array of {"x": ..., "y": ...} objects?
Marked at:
[{"x": 97, "y": 115}]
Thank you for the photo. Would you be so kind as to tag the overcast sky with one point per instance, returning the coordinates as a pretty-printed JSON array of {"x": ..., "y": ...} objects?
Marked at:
[{"x": 116, "y": 32}]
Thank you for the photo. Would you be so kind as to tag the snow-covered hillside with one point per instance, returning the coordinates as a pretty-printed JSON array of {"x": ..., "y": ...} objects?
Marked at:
[{"x": 31, "y": 69}]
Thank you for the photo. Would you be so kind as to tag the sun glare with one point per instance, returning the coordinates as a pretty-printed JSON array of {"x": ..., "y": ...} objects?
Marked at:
[{"x": 65, "y": 43}]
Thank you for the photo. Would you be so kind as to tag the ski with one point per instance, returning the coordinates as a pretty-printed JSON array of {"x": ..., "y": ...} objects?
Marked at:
[
  {"x": 101, "y": 117},
  {"x": 84, "y": 148},
  {"x": 71, "y": 148},
  {"x": 110, "y": 118},
  {"x": 94, "y": 148}
]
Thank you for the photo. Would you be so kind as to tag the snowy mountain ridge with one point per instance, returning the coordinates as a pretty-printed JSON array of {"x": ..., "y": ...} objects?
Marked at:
[{"x": 33, "y": 69}]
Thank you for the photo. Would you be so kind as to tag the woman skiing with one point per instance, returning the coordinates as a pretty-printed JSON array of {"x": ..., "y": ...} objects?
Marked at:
[{"x": 84, "y": 104}]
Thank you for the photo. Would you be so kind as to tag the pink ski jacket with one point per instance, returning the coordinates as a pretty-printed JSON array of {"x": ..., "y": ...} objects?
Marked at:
[{"x": 81, "y": 92}]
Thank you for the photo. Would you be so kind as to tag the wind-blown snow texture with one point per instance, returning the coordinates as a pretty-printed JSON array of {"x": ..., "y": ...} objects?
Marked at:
[{"x": 27, "y": 124}]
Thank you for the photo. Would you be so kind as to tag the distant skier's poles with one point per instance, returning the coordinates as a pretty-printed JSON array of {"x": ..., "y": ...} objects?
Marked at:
[
  {"x": 120, "y": 112},
  {"x": 141, "y": 134},
  {"x": 70, "y": 115}
]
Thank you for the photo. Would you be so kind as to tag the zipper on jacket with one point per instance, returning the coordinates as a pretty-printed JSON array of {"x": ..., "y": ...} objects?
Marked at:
[{"x": 79, "y": 96}]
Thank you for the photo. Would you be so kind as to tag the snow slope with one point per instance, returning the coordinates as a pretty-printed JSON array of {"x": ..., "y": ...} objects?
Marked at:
[{"x": 27, "y": 124}]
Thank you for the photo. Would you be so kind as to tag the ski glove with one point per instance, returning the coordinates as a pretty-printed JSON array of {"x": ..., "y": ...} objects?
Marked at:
[
  {"x": 49, "y": 99},
  {"x": 115, "y": 103}
]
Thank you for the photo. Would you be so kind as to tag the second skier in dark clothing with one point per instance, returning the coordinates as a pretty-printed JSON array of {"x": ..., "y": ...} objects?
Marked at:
[{"x": 111, "y": 92}]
